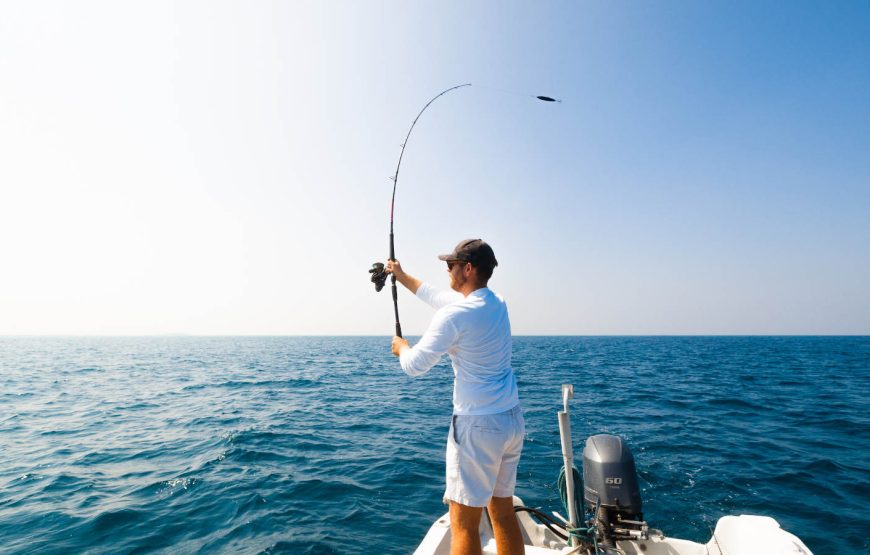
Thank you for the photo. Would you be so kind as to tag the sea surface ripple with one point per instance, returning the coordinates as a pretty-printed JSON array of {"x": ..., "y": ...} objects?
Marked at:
[{"x": 322, "y": 445}]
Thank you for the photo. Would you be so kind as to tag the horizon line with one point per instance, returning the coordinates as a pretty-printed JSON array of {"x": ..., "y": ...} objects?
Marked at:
[{"x": 169, "y": 335}]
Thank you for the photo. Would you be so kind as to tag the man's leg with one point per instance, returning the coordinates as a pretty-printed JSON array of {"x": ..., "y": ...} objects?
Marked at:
[
  {"x": 465, "y": 529},
  {"x": 508, "y": 538}
]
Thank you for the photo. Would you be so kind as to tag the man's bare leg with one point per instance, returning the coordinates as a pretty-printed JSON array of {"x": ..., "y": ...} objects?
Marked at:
[
  {"x": 464, "y": 529},
  {"x": 508, "y": 538}
]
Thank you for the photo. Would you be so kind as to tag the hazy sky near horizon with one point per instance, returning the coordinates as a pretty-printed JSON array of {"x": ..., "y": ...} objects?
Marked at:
[{"x": 222, "y": 167}]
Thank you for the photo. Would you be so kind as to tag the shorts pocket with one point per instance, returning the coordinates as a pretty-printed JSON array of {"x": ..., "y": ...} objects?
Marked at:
[
  {"x": 452, "y": 456},
  {"x": 494, "y": 424},
  {"x": 454, "y": 432}
]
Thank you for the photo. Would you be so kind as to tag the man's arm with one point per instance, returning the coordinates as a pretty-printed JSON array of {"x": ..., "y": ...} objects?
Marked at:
[
  {"x": 409, "y": 281},
  {"x": 429, "y": 350},
  {"x": 430, "y": 295}
]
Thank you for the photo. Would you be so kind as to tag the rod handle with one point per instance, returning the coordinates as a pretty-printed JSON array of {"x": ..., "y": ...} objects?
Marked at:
[
  {"x": 395, "y": 293},
  {"x": 396, "y": 307}
]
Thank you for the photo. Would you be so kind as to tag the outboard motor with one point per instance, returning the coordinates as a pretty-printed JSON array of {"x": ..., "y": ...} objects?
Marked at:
[{"x": 611, "y": 490}]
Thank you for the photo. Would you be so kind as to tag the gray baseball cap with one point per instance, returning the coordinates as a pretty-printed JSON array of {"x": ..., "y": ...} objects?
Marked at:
[{"x": 476, "y": 251}]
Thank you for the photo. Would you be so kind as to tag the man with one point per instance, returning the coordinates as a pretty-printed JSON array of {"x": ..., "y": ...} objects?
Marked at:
[{"x": 486, "y": 432}]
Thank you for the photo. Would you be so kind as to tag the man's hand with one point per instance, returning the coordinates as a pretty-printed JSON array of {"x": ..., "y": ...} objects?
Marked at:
[
  {"x": 409, "y": 281},
  {"x": 399, "y": 345},
  {"x": 395, "y": 267}
]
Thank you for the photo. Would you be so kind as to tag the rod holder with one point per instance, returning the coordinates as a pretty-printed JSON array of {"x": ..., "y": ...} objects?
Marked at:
[
  {"x": 568, "y": 452},
  {"x": 567, "y": 393}
]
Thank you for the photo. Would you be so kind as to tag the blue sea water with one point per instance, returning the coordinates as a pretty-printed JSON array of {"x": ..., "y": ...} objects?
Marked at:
[{"x": 321, "y": 444}]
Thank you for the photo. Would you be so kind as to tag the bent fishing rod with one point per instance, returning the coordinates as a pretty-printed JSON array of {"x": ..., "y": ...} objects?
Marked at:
[{"x": 378, "y": 270}]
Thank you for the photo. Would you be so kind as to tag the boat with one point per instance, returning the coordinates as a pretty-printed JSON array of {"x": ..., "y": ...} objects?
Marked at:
[{"x": 606, "y": 515}]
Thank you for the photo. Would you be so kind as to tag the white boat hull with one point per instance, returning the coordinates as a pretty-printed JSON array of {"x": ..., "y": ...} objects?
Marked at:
[{"x": 734, "y": 535}]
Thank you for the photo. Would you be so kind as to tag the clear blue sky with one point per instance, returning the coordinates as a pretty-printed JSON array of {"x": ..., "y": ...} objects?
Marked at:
[{"x": 221, "y": 167}]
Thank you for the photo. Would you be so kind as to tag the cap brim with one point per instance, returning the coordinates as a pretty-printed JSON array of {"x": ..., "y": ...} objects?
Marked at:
[{"x": 446, "y": 257}]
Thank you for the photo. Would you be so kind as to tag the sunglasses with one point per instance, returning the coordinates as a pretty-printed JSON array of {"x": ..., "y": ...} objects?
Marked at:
[{"x": 453, "y": 263}]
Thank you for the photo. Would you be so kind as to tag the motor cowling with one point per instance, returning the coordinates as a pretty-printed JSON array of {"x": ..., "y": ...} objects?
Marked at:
[{"x": 610, "y": 485}]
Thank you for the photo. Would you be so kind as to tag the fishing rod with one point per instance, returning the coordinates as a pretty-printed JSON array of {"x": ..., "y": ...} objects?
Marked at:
[{"x": 378, "y": 270}]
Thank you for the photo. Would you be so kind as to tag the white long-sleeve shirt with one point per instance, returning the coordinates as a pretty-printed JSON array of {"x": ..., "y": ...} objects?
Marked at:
[{"x": 475, "y": 332}]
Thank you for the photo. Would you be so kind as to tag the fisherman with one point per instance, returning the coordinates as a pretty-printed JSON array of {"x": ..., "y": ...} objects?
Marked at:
[{"x": 471, "y": 325}]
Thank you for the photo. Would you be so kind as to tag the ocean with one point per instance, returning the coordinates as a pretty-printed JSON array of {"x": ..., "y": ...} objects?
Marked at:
[{"x": 322, "y": 445}]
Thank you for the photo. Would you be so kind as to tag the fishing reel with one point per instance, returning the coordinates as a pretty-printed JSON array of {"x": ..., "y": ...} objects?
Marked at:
[{"x": 379, "y": 275}]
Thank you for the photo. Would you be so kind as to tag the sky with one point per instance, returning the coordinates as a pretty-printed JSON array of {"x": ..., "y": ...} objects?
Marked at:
[{"x": 223, "y": 167}]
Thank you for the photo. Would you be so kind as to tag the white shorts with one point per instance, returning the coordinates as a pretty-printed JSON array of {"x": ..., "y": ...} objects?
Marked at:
[{"x": 482, "y": 456}]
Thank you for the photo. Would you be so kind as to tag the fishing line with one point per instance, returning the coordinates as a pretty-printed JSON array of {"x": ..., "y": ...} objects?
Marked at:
[{"x": 520, "y": 93}]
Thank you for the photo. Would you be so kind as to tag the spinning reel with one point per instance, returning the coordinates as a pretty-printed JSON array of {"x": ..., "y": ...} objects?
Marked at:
[{"x": 379, "y": 275}]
